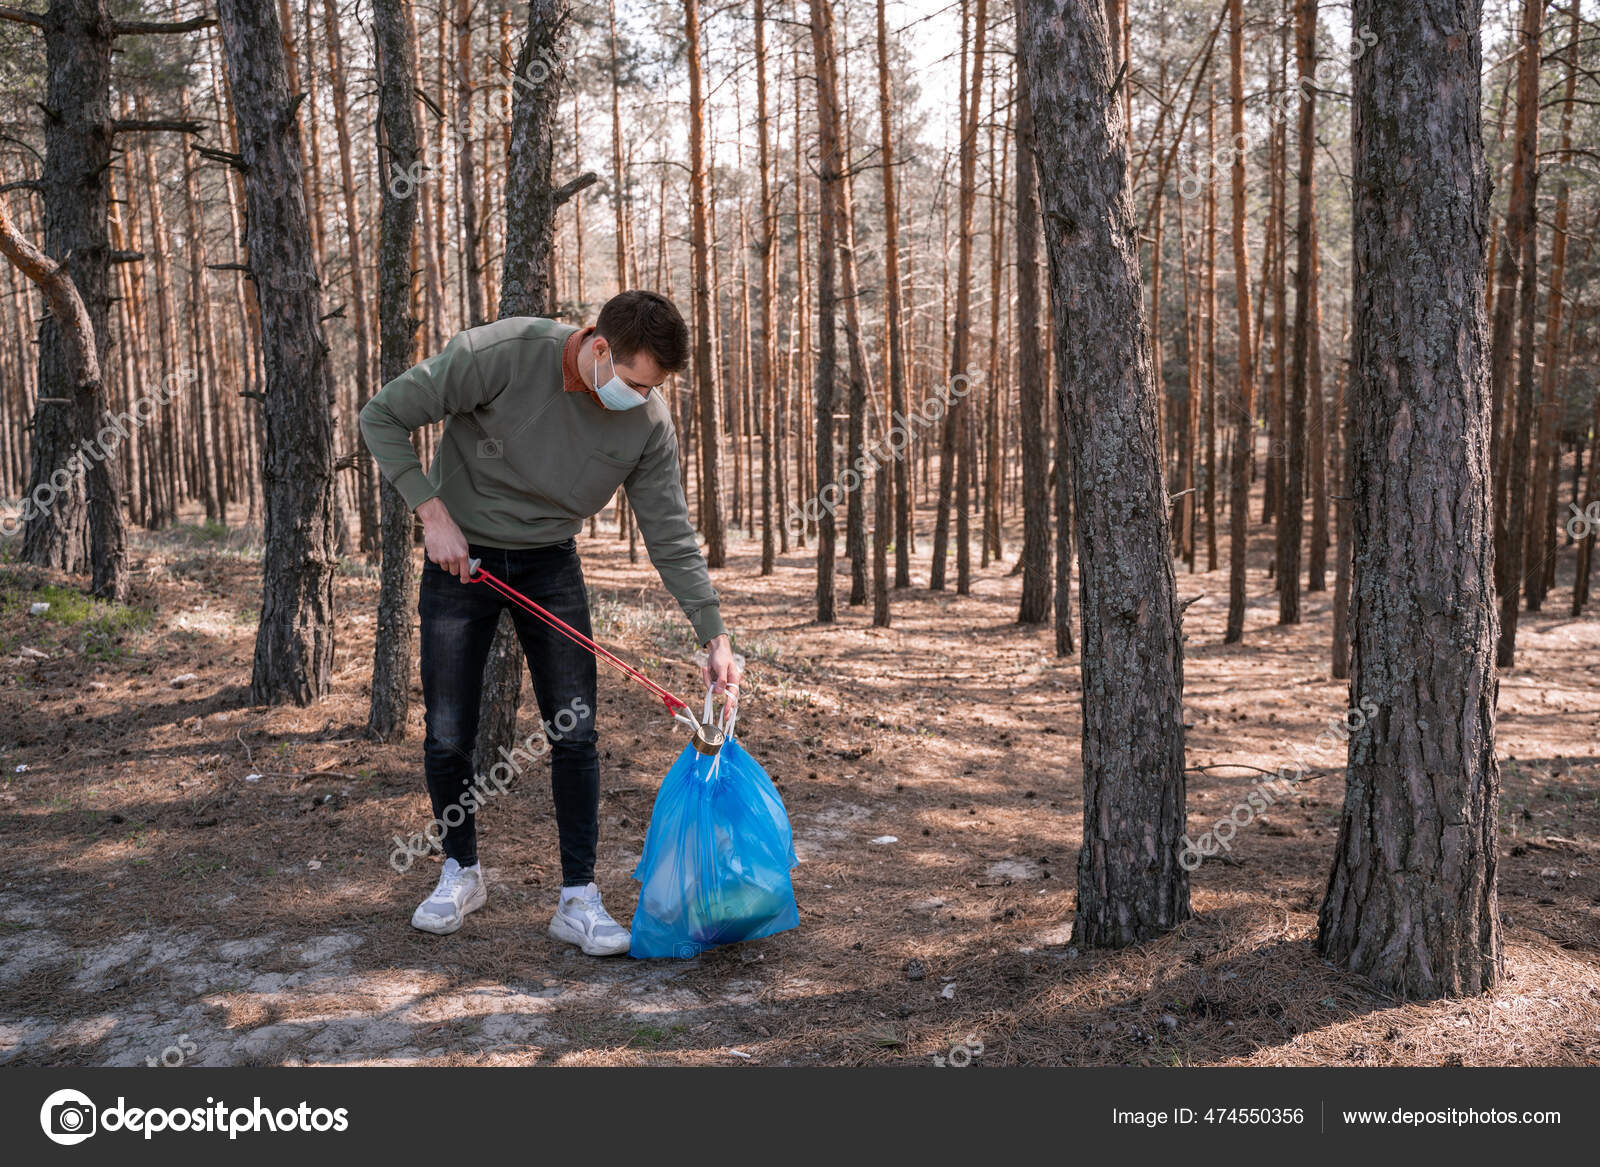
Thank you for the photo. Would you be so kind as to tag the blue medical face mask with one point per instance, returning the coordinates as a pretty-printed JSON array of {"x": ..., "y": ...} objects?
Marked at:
[{"x": 616, "y": 394}]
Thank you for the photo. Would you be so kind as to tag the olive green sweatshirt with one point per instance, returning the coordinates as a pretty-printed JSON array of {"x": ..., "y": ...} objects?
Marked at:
[{"x": 522, "y": 463}]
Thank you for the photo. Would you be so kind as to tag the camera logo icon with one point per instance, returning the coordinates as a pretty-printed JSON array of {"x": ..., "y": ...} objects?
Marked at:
[
  {"x": 491, "y": 448},
  {"x": 68, "y": 1117}
]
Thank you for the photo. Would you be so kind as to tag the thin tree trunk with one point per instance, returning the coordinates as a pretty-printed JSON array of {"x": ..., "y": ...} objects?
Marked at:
[
  {"x": 1291, "y": 508},
  {"x": 1540, "y": 549},
  {"x": 1317, "y": 450},
  {"x": 1519, "y": 223},
  {"x": 1244, "y": 420},
  {"x": 1032, "y": 390},
  {"x": 294, "y": 644},
  {"x": 769, "y": 256},
  {"x": 710, "y": 435},
  {"x": 360, "y": 308},
  {"x": 1211, "y": 339},
  {"x": 830, "y": 175},
  {"x": 953, "y": 462},
  {"x": 1343, "y": 564},
  {"x": 532, "y": 201},
  {"x": 1131, "y": 883},
  {"x": 895, "y": 309},
  {"x": 391, "y": 650}
]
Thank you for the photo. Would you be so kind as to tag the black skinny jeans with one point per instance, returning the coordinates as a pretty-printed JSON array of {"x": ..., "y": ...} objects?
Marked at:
[{"x": 458, "y": 626}]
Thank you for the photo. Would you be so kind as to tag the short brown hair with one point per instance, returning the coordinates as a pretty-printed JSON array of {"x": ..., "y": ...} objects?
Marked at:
[{"x": 638, "y": 320}]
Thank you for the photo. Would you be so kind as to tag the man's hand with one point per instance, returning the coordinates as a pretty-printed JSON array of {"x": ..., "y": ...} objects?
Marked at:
[
  {"x": 721, "y": 670},
  {"x": 443, "y": 540}
]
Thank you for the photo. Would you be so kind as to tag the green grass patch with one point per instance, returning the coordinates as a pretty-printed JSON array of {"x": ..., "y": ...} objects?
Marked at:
[{"x": 98, "y": 628}]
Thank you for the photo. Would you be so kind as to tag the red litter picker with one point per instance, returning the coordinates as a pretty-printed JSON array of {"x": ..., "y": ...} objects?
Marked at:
[
  {"x": 715, "y": 864},
  {"x": 707, "y": 737}
]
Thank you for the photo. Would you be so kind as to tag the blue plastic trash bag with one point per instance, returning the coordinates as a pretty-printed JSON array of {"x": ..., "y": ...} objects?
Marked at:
[{"x": 715, "y": 868}]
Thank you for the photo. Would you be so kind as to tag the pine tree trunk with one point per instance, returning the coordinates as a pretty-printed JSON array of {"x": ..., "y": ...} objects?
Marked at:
[
  {"x": 1031, "y": 387},
  {"x": 360, "y": 310},
  {"x": 1291, "y": 505},
  {"x": 1591, "y": 495},
  {"x": 704, "y": 378},
  {"x": 1317, "y": 448},
  {"x": 1411, "y": 899},
  {"x": 1210, "y": 312},
  {"x": 829, "y": 174},
  {"x": 391, "y": 651},
  {"x": 895, "y": 309},
  {"x": 74, "y": 522},
  {"x": 1344, "y": 521},
  {"x": 954, "y": 467},
  {"x": 1519, "y": 223},
  {"x": 532, "y": 201},
  {"x": 294, "y": 644},
  {"x": 207, "y": 384},
  {"x": 1245, "y": 400},
  {"x": 769, "y": 256},
  {"x": 1540, "y": 550},
  {"x": 1131, "y": 885}
]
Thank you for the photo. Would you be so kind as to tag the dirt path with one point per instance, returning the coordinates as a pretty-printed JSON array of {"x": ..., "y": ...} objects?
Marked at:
[{"x": 156, "y": 902}]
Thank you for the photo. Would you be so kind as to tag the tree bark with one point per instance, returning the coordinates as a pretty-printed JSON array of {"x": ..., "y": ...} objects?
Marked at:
[
  {"x": 532, "y": 200},
  {"x": 1131, "y": 885},
  {"x": 294, "y": 644},
  {"x": 769, "y": 258},
  {"x": 76, "y": 522},
  {"x": 1540, "y": 543},
  {"x": 391, "y": 650},
  {"x": 895, "y": 309},
  {"x": 1411, "y": 899},
  {"x": 1291, "y": 503},
  {"x": 1245, "y": 403},
  {"x": 1210, "y": 314},
  {"x": 1317, "y": 447},
  {"x": 366, "y": 474},
  {"x": 1519, "y": 222},
  {"x": 953, "y": 460},
  {"x": 1031, "y": 388},
  {"x": 705, "y": 383},
  {"x": 829, "y": 175},
  {"x": 1344, "y": 522}
]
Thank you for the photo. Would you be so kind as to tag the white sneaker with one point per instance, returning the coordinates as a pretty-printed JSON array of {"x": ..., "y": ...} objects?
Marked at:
[
  {"x": 460, "y": 891},
  {"x": 583, "y": 920}
]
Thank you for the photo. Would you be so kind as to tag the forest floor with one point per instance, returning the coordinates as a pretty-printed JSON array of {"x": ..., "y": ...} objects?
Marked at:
[{"x": 186, "y": 878}]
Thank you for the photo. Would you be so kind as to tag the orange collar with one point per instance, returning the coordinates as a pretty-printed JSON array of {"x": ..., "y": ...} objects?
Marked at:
[{"x": 572, "y": 380}]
